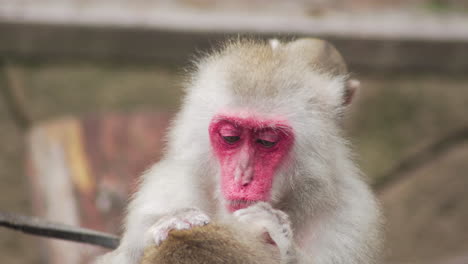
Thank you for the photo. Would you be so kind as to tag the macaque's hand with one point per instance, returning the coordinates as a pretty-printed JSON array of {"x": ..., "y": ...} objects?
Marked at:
[
  {"x": 275, "y": 223},
  {"x": 178, "y": 220}
]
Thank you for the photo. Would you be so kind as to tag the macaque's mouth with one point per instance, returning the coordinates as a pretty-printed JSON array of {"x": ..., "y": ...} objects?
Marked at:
[{"x": 234, "y": 205}]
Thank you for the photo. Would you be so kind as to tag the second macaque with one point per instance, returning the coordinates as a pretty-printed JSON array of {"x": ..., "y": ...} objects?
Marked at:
[{"x": 247, "y": 241}]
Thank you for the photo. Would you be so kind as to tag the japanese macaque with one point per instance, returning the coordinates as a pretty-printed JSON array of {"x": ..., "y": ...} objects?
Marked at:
[
  {"x": 257, "y": 242},
  {"x": 261, "y": 123}
]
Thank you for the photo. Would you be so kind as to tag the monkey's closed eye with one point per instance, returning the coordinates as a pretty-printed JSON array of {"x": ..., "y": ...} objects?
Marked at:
[
  {"x": 266, "y": 143},
  {"x": 231, "y": 139}
]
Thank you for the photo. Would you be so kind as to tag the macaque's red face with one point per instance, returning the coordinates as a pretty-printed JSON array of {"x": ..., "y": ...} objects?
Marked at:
[{"x": 249, "y": 151}]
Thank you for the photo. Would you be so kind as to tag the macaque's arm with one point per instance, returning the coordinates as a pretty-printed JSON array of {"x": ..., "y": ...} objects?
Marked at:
[{"x": 159, "y": 206}]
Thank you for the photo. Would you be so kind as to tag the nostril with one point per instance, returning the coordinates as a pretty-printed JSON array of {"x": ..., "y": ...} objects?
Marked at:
[{"x": 246, "y": 180}]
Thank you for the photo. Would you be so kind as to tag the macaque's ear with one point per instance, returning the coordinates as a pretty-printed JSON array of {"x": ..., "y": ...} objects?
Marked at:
[
  {"x": 351, "y": 86},
  {"x": 325, "y": 58},
  {"x": 321, "y": 54}
]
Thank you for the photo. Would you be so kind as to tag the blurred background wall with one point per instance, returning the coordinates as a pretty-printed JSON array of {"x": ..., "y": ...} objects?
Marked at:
[{"x": 76, "y": 57}]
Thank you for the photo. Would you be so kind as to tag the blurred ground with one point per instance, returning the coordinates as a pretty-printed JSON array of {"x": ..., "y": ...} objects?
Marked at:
[{"x": 427, "y": 212}]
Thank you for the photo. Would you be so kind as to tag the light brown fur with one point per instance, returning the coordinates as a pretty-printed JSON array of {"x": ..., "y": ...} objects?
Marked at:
[
  {"x": 264, "y": 63},
  {"x": 212, "y": 244}
]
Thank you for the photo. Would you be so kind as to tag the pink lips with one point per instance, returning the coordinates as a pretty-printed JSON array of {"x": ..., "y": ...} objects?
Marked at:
[{"x": 234, "y": 205}]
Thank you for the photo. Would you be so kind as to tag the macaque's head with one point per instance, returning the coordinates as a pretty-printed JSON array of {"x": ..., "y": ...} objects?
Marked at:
[
  {"x": 265, "y": 112},
  {"x": 213, "y": 243}
]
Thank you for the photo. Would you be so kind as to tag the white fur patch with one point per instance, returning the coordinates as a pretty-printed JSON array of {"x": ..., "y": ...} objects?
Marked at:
[
  {"x": 274, "y": 43},
  {"x": 183, "y": 219}
]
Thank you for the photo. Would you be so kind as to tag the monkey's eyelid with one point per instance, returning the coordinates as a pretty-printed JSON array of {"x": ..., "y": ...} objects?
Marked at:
[
  {"x": 266, "y": 143},
  {"x": 231, "y": 139}
]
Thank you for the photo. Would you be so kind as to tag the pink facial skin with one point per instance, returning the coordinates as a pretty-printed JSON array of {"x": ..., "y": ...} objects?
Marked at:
[{"x": 249, "y": 151}]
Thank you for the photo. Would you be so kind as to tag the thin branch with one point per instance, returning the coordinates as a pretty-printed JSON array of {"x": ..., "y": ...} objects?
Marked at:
[
  {"x": 40, "y": 227},
  {"x": 428, "y": 154}
]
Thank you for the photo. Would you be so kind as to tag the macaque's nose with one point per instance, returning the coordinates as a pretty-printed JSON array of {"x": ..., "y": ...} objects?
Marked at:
[
  {"x": 245, "y": 166},
  {"x": 247, "y": 176}
]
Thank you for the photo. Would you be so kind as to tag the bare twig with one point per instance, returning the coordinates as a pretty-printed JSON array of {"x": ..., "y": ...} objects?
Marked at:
[
  {"x": 14, "y": 95},
  {"x": 418, "y": 159},
  {"x": 40, "y": 227}
]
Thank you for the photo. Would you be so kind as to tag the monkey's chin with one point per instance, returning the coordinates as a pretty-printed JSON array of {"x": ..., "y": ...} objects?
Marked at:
[{"x": 234, "y": 205}]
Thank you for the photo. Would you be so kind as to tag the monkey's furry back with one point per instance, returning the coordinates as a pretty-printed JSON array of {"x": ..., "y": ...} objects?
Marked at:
[{"x": 211, "y": 244}]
